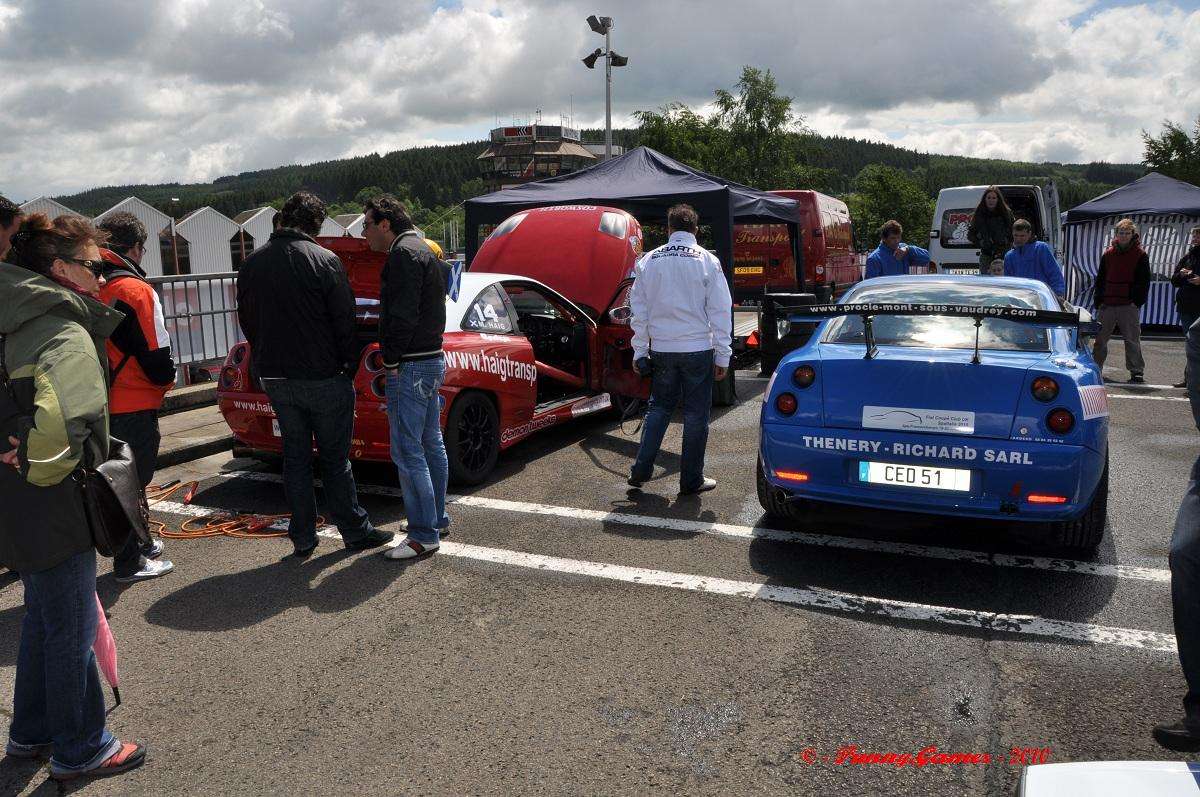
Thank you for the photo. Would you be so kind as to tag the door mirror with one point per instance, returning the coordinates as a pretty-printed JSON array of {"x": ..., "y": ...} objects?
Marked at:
[{"x": 621, "y": 314}]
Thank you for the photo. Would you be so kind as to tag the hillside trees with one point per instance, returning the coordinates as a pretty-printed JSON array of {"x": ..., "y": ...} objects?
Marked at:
[
  {"x": 880, "y": 193},
  {"x": 1174, "y": 152}
]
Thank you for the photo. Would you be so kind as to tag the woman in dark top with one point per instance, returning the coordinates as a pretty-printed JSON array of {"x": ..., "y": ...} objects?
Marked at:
[{"x": 991, "y": 227}]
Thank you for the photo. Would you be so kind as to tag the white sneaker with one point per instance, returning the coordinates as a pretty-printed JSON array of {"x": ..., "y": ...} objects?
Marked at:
[{"x": 411, "y": 549}]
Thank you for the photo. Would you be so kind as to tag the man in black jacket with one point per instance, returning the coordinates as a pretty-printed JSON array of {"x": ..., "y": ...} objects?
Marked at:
[
  {"x": 412, "y": 317},
  {"x": 1187, "y": 279},
  {"x": 297, "y": 312}
]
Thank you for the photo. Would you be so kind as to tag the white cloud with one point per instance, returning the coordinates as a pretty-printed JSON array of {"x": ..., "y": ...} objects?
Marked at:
[{"x": 129, "y": 91}]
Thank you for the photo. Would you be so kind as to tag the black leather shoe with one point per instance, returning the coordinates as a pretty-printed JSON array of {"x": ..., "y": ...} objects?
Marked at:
[
  {"x": 374, "y": 538},
  {"x": 1179, "y": 737},
  {"x": 304, "y": 553},
  {"x": 634, "y": 483},
  {"x": 704, "y": 486}
]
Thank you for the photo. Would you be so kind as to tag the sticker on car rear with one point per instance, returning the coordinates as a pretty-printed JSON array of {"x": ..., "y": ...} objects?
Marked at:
[
  {"x": 1095, "y": 401},
  {"x": 919, "y": 420}
]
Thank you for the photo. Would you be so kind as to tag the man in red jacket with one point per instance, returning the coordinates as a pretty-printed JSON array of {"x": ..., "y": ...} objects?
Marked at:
[
  {"x": 141, "y": 372},
  {"x": 1122, "y": 286}
]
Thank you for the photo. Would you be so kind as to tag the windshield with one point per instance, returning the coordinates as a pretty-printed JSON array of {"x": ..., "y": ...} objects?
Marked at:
[{"x": 943, "y": 332}]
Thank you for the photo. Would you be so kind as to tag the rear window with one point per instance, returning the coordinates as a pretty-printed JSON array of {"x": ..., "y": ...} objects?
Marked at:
[
  {"x": 943, "y": 332},
  {"x": 954, "y": 228}
]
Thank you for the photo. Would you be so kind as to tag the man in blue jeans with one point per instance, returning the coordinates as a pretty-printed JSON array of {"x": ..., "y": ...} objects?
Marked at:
[
  {"x": 297, "y": 311},
  {"x": 412, "y": 317},
  {"x": 682, "y": 319},
  {"x": 1184, "y": 736}
]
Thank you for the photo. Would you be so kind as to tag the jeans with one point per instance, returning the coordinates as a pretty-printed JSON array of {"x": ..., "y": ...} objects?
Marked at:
[
  {"x": 140, "y": 431},
  {"x": 58, "y": 697},
  {"x": 414, "y": 411},
  {"x": 324, "y": 409},
  {"x": 1185, "y": 322},
  {"x": 1185, "y": 593},
  {"x": 1127, "y": 316},
  {"x": 686, "y": 375}
]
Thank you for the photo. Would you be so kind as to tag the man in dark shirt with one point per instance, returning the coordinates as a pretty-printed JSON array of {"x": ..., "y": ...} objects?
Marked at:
[
  {"x": 297, "y": 311},
  {"x": 1184, "y": 558},
  {"x": 412, "y": 317}
]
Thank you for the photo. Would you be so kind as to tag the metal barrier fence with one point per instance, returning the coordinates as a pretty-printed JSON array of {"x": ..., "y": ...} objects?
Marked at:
[{"x": 200, "y": 311}]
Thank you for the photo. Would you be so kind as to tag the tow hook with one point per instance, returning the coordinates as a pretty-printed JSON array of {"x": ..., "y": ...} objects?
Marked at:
[{"x": 1008, "y": 507}]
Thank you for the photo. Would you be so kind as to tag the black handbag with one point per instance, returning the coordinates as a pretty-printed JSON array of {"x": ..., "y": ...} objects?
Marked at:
[{"x": 114, "y": 502}]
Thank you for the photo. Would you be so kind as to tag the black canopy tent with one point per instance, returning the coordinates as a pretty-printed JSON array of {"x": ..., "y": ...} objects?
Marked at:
[
  {"x": 1155, "y": 193},
  {"x": 646, "y": 183}
]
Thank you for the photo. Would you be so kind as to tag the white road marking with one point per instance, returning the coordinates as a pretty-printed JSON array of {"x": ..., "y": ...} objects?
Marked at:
[
  {"x": 1148, "y": 398},
  {"x": 758, "y": 532},
  {"x": 811, "y": 597}
]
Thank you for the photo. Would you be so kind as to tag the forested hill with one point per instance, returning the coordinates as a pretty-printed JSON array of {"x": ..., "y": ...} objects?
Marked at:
[
  {"x": 442, "y": 176},
  {"x": 434, "y": 175}
]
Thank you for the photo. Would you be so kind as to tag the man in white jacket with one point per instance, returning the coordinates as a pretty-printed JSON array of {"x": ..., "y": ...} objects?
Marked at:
[{"x": 682, "y": 318}]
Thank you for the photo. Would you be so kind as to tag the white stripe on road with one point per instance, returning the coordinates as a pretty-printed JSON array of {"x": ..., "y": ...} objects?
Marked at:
[
  {"x": 811, "y": 597},
  {"x": 758, "y": 532},
  {"x": 1148, "y": 398}
]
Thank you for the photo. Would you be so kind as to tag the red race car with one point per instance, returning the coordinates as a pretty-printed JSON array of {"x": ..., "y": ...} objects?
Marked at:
[{"x": 537, "y": 333}]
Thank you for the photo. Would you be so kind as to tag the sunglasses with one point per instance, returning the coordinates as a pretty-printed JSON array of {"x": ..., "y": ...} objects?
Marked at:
[{"x": 94, "y": 266}]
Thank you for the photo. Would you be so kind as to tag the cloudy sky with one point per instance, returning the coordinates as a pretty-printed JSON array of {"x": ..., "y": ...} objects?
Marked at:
[{"x": 109, "y": 92}]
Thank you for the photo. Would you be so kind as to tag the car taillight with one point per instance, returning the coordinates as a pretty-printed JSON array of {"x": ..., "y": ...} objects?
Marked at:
[
  {"x": 1038, "y": 498},
  {"x": 374, "y": 361},
  {"x": 804, "y": 376},
  {"x": 1044, "y": 389},
  {"x": 239, "y": 354},
  {"x": 791, "y": 475},
  {"x": 379, "y": 385},
  {"x": 1060, "y": 421},
  {"x": 786, "y": 403}
]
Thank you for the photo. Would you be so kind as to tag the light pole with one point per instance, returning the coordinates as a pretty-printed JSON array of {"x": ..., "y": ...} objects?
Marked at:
[{"x": 604, "y": 26}]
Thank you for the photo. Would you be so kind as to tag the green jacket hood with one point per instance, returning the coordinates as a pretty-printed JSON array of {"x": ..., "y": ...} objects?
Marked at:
[{"x": 25, "y": 295}]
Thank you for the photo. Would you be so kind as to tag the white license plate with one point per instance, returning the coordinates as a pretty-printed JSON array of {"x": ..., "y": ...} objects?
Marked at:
[
  {"x": 915, "y": 476},
  {"x": 275, "y": 427}
]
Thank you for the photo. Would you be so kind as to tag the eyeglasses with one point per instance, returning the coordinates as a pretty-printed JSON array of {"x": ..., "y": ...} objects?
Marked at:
[{"x": 94, "y": 266}]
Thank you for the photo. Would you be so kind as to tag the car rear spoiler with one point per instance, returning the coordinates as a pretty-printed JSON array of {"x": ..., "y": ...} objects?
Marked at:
[{"x": 1046, "y": 319}]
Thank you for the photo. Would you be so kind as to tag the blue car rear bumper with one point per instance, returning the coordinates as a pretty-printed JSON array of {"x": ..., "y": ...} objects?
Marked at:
[{"x": 1004, "y": 473}]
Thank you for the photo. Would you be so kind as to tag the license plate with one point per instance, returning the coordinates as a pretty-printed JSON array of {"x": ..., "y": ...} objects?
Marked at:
[
  {"x": 915, "y": 476},
  {"x": 275, "y": 427}
]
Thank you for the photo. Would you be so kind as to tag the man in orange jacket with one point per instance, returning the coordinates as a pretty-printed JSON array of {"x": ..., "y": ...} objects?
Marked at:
[{"x": 141, "y": 372}]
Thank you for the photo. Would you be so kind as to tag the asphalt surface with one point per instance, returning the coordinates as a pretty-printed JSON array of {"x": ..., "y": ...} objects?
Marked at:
[{"x": 514, "y": 662}]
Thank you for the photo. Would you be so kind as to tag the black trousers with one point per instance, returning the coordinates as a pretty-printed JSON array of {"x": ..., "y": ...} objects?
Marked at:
[{"x": 140, "y": 431}]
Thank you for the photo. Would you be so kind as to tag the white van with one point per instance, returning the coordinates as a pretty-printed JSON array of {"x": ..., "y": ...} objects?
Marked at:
[{"x": 948, "y": 244}]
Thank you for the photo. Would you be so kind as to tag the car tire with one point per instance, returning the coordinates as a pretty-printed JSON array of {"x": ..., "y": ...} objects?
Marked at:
[
  {"x": 725, "y": 391},
  {"x": 1085, "y": 532},
  {"x": 472, "y": 438},
  {"x": 773, "y": 500}
]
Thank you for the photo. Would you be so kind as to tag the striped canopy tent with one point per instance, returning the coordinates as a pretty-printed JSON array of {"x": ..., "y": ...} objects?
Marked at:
[{"x": 1164, "y": 210}]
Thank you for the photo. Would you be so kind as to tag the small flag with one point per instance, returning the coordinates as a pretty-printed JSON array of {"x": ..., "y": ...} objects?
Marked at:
[{"x": 455, "y": 282}]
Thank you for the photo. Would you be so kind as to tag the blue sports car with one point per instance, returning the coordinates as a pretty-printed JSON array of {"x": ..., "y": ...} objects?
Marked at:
[{"x": 966, "y": 396}]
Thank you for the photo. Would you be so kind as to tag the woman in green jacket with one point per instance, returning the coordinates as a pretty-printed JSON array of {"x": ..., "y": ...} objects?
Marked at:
[
  {"x": 53, "y": 410},
  {"x": 991, "y": 227}
]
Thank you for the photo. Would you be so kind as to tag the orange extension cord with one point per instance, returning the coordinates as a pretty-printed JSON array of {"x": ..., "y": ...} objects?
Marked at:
[{"x": 246, "y": 525}]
